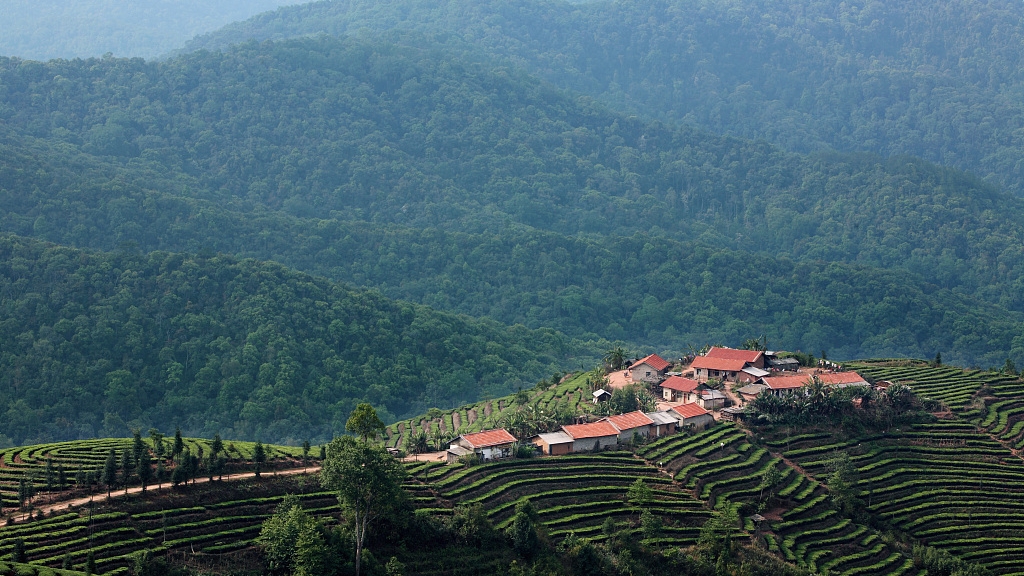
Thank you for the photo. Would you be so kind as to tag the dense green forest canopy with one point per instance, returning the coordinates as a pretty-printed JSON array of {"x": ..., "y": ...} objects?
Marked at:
[
  {"x": 939, "y": 81},
  {"x": 44, "y": 29},
  {"x": 433, "y": 178},
  {"x": 98, "y": 343},
  {"x": 411, "y": 135}
]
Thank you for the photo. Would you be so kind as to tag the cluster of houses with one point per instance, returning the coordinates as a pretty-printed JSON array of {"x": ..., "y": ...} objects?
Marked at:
[
  {"x": 606, "y": 433},
  {"x": 760, "y": 372}
]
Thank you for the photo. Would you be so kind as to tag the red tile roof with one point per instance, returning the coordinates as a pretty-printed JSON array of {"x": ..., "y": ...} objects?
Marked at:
[
  {"x": 630, "y": 420},
  {"x": 733, "y": 354},
  {"x": 724, "y": 364},
  {"x": 801, "y": 380},
  {"x": 689, "y": 410},
  {"x": 583, "y": 431},
  {"x": 786, "y": 382},
  {"x": 654, "y": 361},
  {"x": 489, "y": 438},
  {"x": 842, "y": 378},
  {"x": 680, "y": 384}
]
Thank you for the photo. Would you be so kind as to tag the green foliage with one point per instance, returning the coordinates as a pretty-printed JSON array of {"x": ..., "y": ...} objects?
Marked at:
[
  {"x": 639, "y": 493},
  {"x": 364, "y": 422},
  {"x": 280, "y": 354}
]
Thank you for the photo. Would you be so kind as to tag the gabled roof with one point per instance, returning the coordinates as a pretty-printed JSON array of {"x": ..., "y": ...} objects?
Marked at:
[
  {"x": 689, "y": 410},
  {"x": 459, "y": 450},
  {"x": 680, "y": 384},
  {"x": 756, "y": 372},
  {"x": 600, "y": 392},
  {"x": 654, "y": 361},
  {"x": 837, "y": 378},
  {"x": 629, "y": 420},
  {"x": 712, "y": 394},
  {"x": 595, "y": 430},
  {"x": 724, "y": 364},
  {"x": 786, "y": 382},
  {"x": 489, "y": 438},
  {"x": 661, "y": 418},
  {"x": 733, "y": 354},
  {"x": 801, "y": 380}
]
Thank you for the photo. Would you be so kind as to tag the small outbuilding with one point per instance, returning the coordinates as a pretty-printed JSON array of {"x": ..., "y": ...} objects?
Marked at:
[
  {"x": 784, "y": 364},
  {"x": 692, "y": 416},
  {"x": 601, "y": 395},
  {"x": 751, "y": 391},
  {"x": 711, "y": 399},
  {"x": 489, "y": 444},
  {"x": 553, "y": 443},
  {"x": 455, "y": 452},
  {"x": 751, "y": 374},
  {"x": 733, "y": 413},
  {"x": 664, "y": 424},
  {"x": 590, "y": 437}
]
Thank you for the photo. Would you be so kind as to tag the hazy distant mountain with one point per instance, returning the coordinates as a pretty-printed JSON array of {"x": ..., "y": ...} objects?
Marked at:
[
  {"x": 43, "y": 29},
  {"x": 936, "y": 80}
]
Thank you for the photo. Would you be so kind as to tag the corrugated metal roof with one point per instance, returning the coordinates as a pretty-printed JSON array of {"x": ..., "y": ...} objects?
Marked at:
[
  {"x": 595, "y": 430},
  {"x": 689, "y": 410},
  {"x": 680, "y": 384},
  {"x": 489, "y": 438},
  {"x": 550, "y": 438},
  {"x": 629, "y": 420},
  {"x": 662, "y": 418},
  {"x": 654, "y": 361},
  {"x": 733, "y": 354},
  {"x": 724, "y": 364}
]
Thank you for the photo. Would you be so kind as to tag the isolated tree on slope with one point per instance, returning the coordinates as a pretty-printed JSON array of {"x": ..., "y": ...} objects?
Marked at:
[
  {"x": 364, "y": 422},
  {"x": 368, "y": 482}
]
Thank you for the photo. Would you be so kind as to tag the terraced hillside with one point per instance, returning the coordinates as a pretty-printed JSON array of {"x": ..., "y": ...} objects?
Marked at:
[
  {"x": 571, "y": 393},
  {"x": 954, "y": 387},
  {"x": 29, "y": 462},
  {"x": 574, "y": 493},
  {"x": 802, "y": 526},
  {"x": 945, "y": 483},
  {"x": 202, "y": 524}
]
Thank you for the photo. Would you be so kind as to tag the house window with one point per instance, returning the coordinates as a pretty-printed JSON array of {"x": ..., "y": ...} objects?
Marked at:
[{"x": 648, "y": 374}]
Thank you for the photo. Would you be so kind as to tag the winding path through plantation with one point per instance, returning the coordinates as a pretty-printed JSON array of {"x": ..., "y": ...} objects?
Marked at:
[{"x": 66, "y": 504}]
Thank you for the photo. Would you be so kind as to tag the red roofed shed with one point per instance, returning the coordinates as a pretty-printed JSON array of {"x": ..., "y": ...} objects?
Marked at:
[{"x": 692, "y": 415}]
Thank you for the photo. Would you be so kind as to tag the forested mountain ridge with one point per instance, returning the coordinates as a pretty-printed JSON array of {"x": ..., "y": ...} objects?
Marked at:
[
  {"x": 95, "y": 343},
  {"x": 939, "y": 82},
  {"x": 412, "y": 135},
  {"x": 642, "y": 288},
  {"x": 44, "y": 29}
]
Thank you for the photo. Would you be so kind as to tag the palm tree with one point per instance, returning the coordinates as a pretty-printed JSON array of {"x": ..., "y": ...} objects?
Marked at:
[{"x": 615, "y": 358}]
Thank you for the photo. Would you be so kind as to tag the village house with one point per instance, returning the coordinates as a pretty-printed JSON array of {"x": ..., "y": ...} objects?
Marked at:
[
  {"x": 649, "y": 369},
  {"x": 751, "y": 374},
  {"x": 783, "y": 364},
  {"x": 678, "y": 389},
  {"x": 630, "y": 424},
  {"x": 727, "y": 364},
  {"x": 596, "y": 436},
  {"x": 733, "y": 413},
  {"x": 786, "y": 384},
  {"x": 692, "y": 416},
  {"x": 664, "y": 424},
  {"x": 488, "y": 445},
  {"x": 553, "y": 443}
]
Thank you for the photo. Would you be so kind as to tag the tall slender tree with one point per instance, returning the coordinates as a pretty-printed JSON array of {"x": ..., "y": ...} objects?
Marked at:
[
  {"x": 259, "y": 456},
  {"x": 179, "y": 444},
  {"x": 110, "y": 471},
  {"x": 126, "y": 468}
]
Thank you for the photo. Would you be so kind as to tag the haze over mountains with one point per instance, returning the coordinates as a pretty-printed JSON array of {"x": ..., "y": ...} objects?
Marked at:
[
  {"x": 431, "y": 157},
  {"x": 936, "y": 81},
  {"x": 44, "y": 29}
]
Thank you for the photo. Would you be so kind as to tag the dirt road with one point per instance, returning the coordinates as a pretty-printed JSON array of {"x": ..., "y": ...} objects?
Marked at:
[{"x": 65, "y": 504}]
